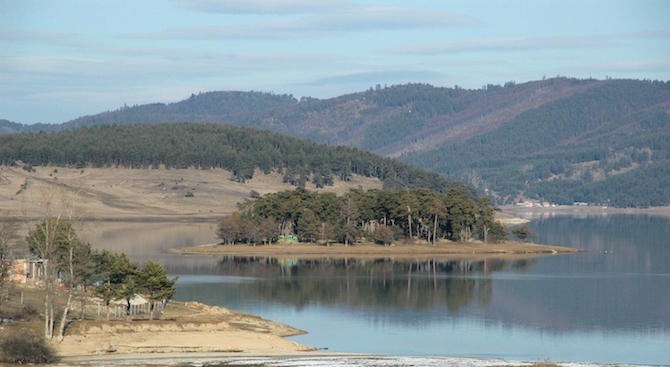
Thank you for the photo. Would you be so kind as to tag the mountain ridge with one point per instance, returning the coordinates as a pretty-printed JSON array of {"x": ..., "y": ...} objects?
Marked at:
[{"x": 515, "y": 142}]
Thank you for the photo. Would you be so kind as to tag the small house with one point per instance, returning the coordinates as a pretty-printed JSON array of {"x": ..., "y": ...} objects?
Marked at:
[{"x": 27, "y": 270}]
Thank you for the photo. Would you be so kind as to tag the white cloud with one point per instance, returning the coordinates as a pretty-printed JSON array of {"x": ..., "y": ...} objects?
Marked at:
[
  {"x": 382, "y": 76},
  {"x": 350, "y": 20},
  {"x": 639, "y": 66},
  {"x": 149, "y": 64},
  {"x": 261, "y": 6},
  {"x": 45, "y": 37},
  {"x": 501, "y": 45},
  {"x": 527, "y": 43}
]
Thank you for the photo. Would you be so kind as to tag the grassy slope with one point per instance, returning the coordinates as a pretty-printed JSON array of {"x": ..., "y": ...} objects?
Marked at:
[{"x": 136, "y": 193}]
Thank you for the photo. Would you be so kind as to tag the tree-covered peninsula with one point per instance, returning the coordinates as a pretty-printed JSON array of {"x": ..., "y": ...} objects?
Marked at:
[{"x": 381, "y": 216}]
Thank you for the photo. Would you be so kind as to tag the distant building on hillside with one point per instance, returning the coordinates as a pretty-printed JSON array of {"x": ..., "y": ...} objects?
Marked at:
[{"x": 27, "y": 270}]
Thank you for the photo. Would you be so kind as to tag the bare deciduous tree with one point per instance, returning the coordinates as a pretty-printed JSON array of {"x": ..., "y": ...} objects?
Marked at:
[
  {"x": 6, "y": 234},
  {"x": 54, "y": 241}
]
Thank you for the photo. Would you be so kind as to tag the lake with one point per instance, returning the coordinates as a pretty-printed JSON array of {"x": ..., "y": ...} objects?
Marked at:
[{"x": 609, "y": 304}]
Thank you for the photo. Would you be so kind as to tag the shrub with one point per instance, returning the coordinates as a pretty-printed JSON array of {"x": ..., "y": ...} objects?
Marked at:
[
  {"x": 497, "y": 233},
  {"x": 383, "y": 235},
  {"x": 25, "y": 313},
  {"x": 25, "y": 346},
  {"x": 523, "y": 233}
]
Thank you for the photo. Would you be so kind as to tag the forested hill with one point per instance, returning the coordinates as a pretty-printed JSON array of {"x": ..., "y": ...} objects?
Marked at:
[
  {"x": 10, "y": 127},
  {"x": 386, "y": 121},
  {"x": 560, "y": 140},
  {"x": 607, "y": 145},
  {"x": 240, "y": 150}
]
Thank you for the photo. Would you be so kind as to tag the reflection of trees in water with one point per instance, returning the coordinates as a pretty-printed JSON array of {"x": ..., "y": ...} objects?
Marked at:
[{"x": 380, "y": 283}]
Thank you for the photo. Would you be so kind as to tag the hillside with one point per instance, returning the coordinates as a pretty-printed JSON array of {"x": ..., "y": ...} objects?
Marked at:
[
  {"x": 183, "y": 169},
  {"x": 561, "y": 140},
  {"x": 143, "y": 194},
  {"x": 608, "y": 145},
  {"x": 206, "y": 146},
  {"x": 10, "y": 127},
  {"x": 386, "y": 121}
]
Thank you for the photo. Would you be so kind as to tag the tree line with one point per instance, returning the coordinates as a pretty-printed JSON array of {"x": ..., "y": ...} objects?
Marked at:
[
  {"x": 381, "y": 216},
  {"x": 205, "y": 146}
]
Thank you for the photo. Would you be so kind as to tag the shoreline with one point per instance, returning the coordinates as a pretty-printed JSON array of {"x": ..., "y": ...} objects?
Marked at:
[
  {"x": 525, "y": 214},
  {"x": 313, "y": 359},
  {"x": 444, "y": 249},
  {"x": 508, "y": 215},
  {"x": 187, "y": 329}
]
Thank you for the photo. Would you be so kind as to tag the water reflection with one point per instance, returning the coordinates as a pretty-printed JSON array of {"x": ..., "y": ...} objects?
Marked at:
[
  {"x": 381, "y": 284},
  {"x": 613, "y": 244},
  {"x": 610, "y": 303}
]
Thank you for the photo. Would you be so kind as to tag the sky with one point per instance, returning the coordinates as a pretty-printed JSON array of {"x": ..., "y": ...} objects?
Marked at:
[{"x": 63, "y": 59}]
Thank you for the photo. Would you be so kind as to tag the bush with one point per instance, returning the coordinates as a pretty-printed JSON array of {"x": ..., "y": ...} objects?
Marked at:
[
  {"x": 523, "y": 233},
  {"x": 497, "y": 233},
  {"x": 24, "y": 346},
  {"x": 25, "y": 313},
  {"x": 383, "y": 235}
]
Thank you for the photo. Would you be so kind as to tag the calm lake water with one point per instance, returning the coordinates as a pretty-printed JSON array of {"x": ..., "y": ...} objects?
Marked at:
[{"x": 609, "y": 304}]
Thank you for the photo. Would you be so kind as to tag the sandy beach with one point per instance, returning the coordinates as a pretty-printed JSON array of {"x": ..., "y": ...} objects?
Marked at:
[{"x": 185, "y": 329}]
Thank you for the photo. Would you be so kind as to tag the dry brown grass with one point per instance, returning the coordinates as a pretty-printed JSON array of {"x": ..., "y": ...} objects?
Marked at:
[
  {"x": 24, "y": 314},
  {"x": 121, "y": 193}
]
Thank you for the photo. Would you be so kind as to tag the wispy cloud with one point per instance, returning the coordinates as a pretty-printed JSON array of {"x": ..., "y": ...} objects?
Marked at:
[
  {"x": 351, "y": 20},
  {"x": 47, "y": 64},
  {"x": 390, "y": 18},
  {"x": 261, "y": 6},
  {"x": 382, "y": 76},
  {"x": 45, "y": 37},
  {"x": 500, "y": 45},
  {"x": 641, "y": 66},
  {"x": 150, "y": 63},
  {"x": 527, "y": 43}
]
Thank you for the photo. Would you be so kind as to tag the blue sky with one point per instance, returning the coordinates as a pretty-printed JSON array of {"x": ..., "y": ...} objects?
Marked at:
[{"x": 63, "y": 59}]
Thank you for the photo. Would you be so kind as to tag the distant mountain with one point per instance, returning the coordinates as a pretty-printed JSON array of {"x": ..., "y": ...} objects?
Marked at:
[
  {"x": 387, "y": 121},
  {"x": 10, "y": 127},
  {"x": 559, "y": 140}
]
